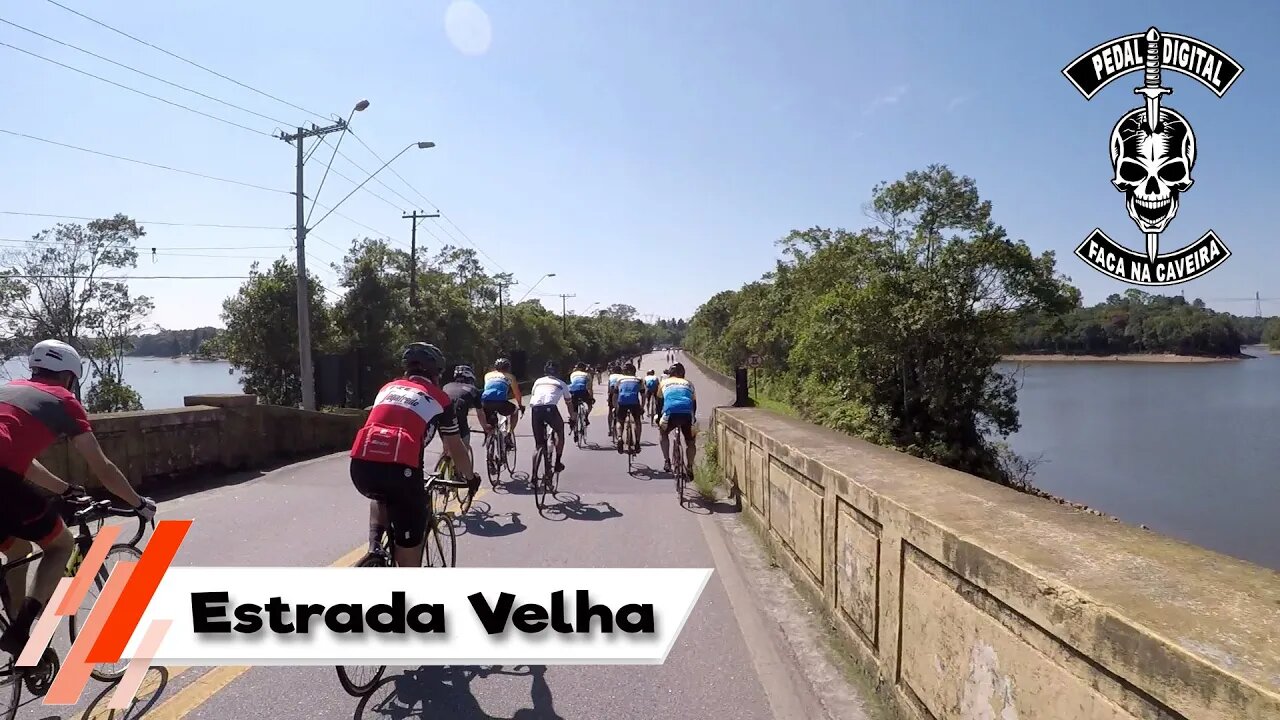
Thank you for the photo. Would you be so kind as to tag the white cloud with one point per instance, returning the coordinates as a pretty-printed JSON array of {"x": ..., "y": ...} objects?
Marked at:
[
  {"x": 892, "y": 98},
  {"x": 957, "y": 102}
]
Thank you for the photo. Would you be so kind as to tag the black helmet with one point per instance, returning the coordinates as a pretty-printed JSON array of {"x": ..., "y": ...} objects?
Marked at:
[
  {"x": 502, "y": 365},
  {"x": 580, "y": 366},
  {"x": 629, "y": 369},
  {"x": 551, "y": 368},
  {"x": 676, "y": 369},
  {"x": 650, "y": 372},
  {"x": 464, "y": 373},
  {"x": 423, "y": 357}
]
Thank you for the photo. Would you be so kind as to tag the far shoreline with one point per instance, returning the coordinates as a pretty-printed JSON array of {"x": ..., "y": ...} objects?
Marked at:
[{"x": 1131, "y": 358}]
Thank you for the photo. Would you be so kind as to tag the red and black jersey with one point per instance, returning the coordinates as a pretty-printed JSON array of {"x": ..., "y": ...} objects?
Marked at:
[
  {"x": 33, "y": 415},
  {"x": 397, "y": 426}
]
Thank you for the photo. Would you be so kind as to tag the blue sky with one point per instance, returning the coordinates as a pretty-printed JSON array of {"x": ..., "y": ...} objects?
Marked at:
[{"x": 648, "y": 153}]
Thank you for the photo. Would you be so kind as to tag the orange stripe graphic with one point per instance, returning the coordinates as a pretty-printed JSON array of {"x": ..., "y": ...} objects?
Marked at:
[
  {"x": 74, "y": 675},
  {"x": 139, "y": 664},
  {"x": 88, "y": 569},
  {"x": 44, "y": 628},
  {"x": 127, "y": 613}
]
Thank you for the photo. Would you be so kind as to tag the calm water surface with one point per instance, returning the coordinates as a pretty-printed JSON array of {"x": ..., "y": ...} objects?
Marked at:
[
  {"x": 1190, "y": 450},
  {"x": 162, "y": 382}
]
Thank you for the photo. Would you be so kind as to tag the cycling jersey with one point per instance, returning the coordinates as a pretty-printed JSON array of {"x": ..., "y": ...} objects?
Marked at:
[
  {"x": 677, "y": 396},
  {"x": 629, "y": 390},
  {"x": 397, "y": 426},
  {"x": 548, "y": 391},
  {"x": 500, "y": 387},
  {"x": 650, "y": 382},
  {"x": 579, "y": 380},
  {"x": 33, "y": 415},
  {"x": 613, "y": 380},
  {"x": 464, "y": 396}
]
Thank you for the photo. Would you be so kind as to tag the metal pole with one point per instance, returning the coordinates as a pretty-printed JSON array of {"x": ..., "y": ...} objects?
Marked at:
[
  {"x": 564, "y": 314},
  {"x": 413, "y": 253},
  {"x": 307, "y": 373}
]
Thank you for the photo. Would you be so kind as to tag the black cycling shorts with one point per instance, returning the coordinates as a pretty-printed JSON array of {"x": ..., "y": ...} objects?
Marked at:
[
  {"x": 582, "y": 396},
  {"x": 684, "y": 421},
  {"x": 542, "y": 416},
  {"x": 493, "y": 408},
  {"x": 26, "y": 513},
  {"x": 402, "y": 490},
  {"x": 636, "y": 411}
]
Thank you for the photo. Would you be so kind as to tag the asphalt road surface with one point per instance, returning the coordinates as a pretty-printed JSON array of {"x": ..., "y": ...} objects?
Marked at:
[{"x": 750, "y": 650}]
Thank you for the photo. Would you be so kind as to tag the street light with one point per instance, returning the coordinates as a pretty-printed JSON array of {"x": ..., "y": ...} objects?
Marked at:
[
  {"x": 544, "y": 277},
  {"x": 407, "y": 148}
]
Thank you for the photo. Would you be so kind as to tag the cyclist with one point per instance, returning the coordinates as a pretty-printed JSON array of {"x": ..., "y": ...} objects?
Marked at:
[
  {"x": 650, "y": 389},
  {"x": 464, "y": 395},
  {"x": 611, "y": 394},
  {"x": 33, "y": 415},
  {"x": 386, "y": 456},
  {"x": 678, "y": 406},
  {"x": 548, "y": 391},
  {"x": 630, "y": 391},
  {"x": 500, "y": 388},
  {"x": 580, "y": 390}
]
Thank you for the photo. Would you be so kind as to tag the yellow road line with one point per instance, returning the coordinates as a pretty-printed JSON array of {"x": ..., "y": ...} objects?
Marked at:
[{"x": 203, "y": 689}]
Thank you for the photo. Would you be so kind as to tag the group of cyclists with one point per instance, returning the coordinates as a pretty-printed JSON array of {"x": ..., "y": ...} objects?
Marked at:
[{"x": 386, "y": 457}]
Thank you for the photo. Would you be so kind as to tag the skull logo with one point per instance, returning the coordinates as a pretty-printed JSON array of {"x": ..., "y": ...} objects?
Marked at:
[{"x": 1152, "y": 169}]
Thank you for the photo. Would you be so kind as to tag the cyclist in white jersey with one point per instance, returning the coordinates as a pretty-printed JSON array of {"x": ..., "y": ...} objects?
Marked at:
[{"x": 549, "y": 391}]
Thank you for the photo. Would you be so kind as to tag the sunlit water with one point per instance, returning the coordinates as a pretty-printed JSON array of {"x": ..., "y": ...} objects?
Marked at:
[
  {"x": 1190, "y": 450},
  {"x": 162, "y": 382}
]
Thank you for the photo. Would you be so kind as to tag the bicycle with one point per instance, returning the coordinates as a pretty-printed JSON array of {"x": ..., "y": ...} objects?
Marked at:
[
  {"x": 678, "y": 466},
  {"x": 630, "y": 439},
  {"x": 447, "y": 471},
  {"x": 499, "y": 456},
  {"x": 544, "y": 477},
  {"x": 440, "y": 531},
  {"x": 580, "y": 424},
  {"x": 38, "y": 679}
]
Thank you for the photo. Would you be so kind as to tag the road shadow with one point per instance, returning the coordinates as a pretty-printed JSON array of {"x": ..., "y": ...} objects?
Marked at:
[
  {"x": 569, "y": 506},
  {"x": 446, "y": 692},
  {"x": 153, "y": 684},
  {"x": 481, "y": 521}
]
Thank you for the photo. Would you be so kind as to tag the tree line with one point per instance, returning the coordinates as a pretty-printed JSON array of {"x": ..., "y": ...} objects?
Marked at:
[{"x": 64, "y": 283}]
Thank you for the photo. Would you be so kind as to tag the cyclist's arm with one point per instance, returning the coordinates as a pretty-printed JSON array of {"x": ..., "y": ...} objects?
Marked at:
[
  {"x": 105, "y": 470},
  {"x": 446, "y": 425},
  {"x": 481, "y": 415},
  {"x": 39, "y": 475},
  {"x": 515, "y": 389},
  {"x": 693, "y": 401}
]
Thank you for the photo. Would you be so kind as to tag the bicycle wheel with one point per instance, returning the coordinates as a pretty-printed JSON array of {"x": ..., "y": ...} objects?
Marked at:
[
  {"x": 677, "y": 464},
  {"x": 441, "y": 542},
  {"x": 538, "y": 479},
  {"x": 511, "y": 455},
  {"x": 493, "y": 466},
  {"x": 10, "y": 683},
  {"x": 358, "y": 680},
  {"x": 117, "y": 554}
]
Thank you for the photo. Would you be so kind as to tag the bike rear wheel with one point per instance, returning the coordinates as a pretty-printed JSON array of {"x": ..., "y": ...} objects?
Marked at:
[
  {"x": 538, "y": 479},
  {"x": 359, "y": 680},
  {"x": 493, "y": 461},
  {"x": 106, "y": 672},
  {"x": 441, "y": 542},
  {"x": 677, "y": 465},
  {"x": 510, "y": 457}
]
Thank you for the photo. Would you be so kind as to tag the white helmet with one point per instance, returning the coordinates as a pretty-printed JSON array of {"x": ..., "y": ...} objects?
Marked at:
[{"x": 56, "y": 356}]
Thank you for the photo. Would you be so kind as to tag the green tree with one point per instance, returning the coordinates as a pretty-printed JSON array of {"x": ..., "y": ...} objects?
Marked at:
[{"x": 61, "y": 285}]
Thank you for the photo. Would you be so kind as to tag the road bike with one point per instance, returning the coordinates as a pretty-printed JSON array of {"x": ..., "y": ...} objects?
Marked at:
[
  {"x": 630, "y": 438},
  {"x": 544, "y": 478},
  {"x": 580, "y": 423},
  {"x": 447, "y": 471},
  {"x": 612, "y": 420},
  {"x": 440, "y": 549},
  {"x": 678, "y": 466},
  {"x": 38, "y": 679},
  {"x": 500, "y": 451}
]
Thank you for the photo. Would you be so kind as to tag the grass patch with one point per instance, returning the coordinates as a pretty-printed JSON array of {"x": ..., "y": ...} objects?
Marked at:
[{"x": 706, "y": 480}]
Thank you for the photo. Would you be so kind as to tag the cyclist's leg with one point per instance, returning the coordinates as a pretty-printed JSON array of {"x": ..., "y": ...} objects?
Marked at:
[
  {"x": 557, "y": 424},
  {"x": 539, "y": 427},
  {"x": 407, "y": 506},
  {"x": 690, "y": 443},
  {"x": 664, "y": 441},
  {"x": 636, "y": 412},
  {"x": 31, "y": 517},
  {"x": 365, "y": 478}
]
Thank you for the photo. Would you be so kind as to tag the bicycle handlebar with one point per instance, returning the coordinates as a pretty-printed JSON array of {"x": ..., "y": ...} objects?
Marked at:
[{"x": 94, "y": 510}]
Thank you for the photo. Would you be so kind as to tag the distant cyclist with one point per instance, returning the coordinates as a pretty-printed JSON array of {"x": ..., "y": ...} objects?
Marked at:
[
  {"x": 650, "y": 390},
  {"x": 465, "y": 397},
  {"x": 580, "y": 390},
  {"x": 33, "y": 415},
  {"x": 500, "y": 388},
  {"x": 678, "y": 406},
  {"x": 548, "y": 392},
  {"x": 611, "y": 394},
  {"x": 386, "y": 457},
  {"x": 630, "y": 390}
]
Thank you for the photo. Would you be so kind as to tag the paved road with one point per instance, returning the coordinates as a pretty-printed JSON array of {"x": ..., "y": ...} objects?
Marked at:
[{"x": 737, "y": 657}]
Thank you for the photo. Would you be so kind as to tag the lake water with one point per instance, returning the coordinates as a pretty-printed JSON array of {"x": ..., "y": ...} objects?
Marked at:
[
  {"x": 1190, "y": 450},
  {"x": 162, "y": 382}
]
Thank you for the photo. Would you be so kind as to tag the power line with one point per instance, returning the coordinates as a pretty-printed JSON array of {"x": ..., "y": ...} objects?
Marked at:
[
  {"x": 148, "y": 246},
  {"x": 142, "y": 162},
  {"x": 141, "y": 72},
  {"x": 150, "y": 222},
  {"x": 185, "y": 60},
  {"x": 135, "y": 90},
  {"x": 127, "y": 277}
]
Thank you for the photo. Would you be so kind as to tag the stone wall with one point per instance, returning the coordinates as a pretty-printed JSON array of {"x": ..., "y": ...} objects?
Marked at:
[
  {"x": 213, "y": 434},
  {"x": 970, "y": 600}
]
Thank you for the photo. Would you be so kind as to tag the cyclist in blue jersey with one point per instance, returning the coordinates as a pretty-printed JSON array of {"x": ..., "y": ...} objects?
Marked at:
[
  {"x": 611, "y": 393},
  {"x": 650, "y": 389},
  {"x": 678, "y": 406},
  {"x": 630, "y": 396},
  {"x": 580, "y": 389}
]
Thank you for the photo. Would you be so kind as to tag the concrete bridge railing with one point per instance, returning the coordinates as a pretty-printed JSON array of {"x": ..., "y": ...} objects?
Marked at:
[
  {"x": 214, "y": 433},
  {"x": 970, "y": 600}
]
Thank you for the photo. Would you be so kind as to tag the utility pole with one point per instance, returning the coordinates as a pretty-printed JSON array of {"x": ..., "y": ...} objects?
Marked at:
[
  {"x": 502, "y": 330},
  {"x": 413, "y": 253},
  {"x": 564, "y": 321},
  {"x": 304, "y": 289},
  {"x": 1257, "y": 303}
]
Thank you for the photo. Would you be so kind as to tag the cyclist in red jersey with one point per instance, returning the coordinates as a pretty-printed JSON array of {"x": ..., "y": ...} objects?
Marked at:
[
  {"x": 34, "y": 414},
  {"x": 386, "y": 457}
]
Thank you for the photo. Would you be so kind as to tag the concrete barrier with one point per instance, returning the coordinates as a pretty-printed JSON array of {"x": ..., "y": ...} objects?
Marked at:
[
  {"x": 214, "y": 433},
  {"x": 970, "y": 600}
]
